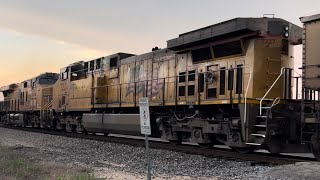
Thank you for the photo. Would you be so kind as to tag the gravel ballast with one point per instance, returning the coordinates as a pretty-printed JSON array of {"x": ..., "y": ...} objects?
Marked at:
[{"x": 111, "y": 159}]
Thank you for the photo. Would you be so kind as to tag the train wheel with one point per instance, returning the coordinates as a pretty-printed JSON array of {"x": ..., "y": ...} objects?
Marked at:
[
  {"x": 243, "y": 150},
  {"x": 84, "y": 131},
  {"x": 68, "y": 127},
  {"x": 58, "y": 125},
  {"x": 178, "y": 136},
  {"x": 79, "y": 128},
  {"x": 315, "y": 146}
]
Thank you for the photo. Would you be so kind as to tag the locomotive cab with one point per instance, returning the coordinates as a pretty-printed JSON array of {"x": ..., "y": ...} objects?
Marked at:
[
  {"x": 225, "y": 72},
  {"x": 9, "y": 104}
]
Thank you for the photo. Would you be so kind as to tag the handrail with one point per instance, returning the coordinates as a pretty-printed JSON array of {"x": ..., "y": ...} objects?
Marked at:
[
  {"x": 46, "y": 106},
  {"x": 281, "y": 72},
  {"x": 275, "y": 102},
  {"x": 158, "y": 79},
  {"x": 297, "y": 72},
  {"x": 245, "y": 96}
]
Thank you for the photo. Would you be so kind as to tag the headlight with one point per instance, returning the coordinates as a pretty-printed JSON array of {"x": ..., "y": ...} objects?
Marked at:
[{"x": 286, "y": 28}]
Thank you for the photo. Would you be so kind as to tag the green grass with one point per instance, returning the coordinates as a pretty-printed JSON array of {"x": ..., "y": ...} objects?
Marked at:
[
  {"x": 14, "y": 166},
  {"x": 81, "y": 176}
]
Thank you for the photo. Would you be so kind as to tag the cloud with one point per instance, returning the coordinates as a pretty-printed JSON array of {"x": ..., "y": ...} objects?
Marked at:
[{"x": 95, "y": 34}]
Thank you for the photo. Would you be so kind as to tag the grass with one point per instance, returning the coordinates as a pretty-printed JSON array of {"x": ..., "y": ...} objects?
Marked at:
[
  {"x": 81, "y": 176},
  {"x": 15, "y": 166}
]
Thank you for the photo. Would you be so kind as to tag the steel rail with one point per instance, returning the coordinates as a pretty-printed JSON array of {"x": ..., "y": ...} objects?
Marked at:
[{"x": 221, "y": 153}]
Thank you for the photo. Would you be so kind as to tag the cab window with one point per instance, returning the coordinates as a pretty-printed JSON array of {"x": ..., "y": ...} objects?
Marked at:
[
  {"x": 227, "y": 49},
  {"x": 65, "y": 74},
  {"x": 113, "y": 62},
  {"x": 77, "y": 72}
]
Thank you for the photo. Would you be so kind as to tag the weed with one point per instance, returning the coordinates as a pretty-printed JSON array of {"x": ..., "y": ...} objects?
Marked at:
[{"x": 16, "y": 166}]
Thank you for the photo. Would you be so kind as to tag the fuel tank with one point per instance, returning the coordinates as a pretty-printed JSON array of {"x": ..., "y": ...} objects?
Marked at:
[{"x": 128, "y": 124}]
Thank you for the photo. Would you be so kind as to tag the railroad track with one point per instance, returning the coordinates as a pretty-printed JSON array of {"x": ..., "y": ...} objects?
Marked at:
[{"x": 256, "y": 158}]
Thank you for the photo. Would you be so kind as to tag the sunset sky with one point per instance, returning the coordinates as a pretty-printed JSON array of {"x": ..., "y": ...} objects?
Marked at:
[{"x": 42, "y": 36}]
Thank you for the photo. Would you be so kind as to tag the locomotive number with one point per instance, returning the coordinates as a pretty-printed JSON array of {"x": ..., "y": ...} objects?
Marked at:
[{"x": 268, "y": 42}]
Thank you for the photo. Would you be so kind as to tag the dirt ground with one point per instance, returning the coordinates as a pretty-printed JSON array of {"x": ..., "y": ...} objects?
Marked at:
[
  {"x": 109, "y": 174},
  {"x": 13, "y": 165},
  {"x": 26, "y": 155},
  {"x": 297, "y": 171}
]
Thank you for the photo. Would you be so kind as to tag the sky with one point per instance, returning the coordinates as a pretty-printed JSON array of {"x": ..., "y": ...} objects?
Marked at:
[{"x": 39, "y": 36}]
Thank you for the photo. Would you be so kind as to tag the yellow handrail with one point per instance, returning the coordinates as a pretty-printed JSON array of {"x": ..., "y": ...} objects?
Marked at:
[{"x": 281, "y": 72}]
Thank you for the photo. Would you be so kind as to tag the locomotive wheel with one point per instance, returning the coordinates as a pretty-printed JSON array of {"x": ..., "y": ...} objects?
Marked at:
[
  {"x": 68, "y": 127},
  {"x": 178, "y": 141},
  {"x": 315, "y": 146},
  {"x": 243, "y": 150},
  {"x": 58, "y": 125}
]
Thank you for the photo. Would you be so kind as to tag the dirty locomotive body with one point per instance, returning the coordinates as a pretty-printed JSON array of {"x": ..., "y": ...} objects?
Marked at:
[{"x": 229, "y": 83}]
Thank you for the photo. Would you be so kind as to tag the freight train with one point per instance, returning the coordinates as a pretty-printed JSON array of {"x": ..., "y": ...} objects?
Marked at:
[{"x": 229, "y": 83}]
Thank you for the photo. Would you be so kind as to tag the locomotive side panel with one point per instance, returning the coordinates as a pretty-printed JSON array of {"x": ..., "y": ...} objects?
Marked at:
[
  {"x": 55, "y": 95},
  {"x": 80, "y": 95},
  {"x": 191, "y": 79},
  {"x": 114, "y": 90},
  {"x": 127, "y": 76},
  {"x": 42, "y": 90},
  {"x": 267, "y": 66},
  {"x": 141, "y": 77},
  {"x": 160, "y": 74},
  {"x": 80, "y": 86},
  {"x": 44, "y": 96},
  {"x": 61, "y": 91},
  {"x": 171, "y": 81},
  {"x": 181, "y": 78},
  {"x": 26, "y": 95},
  {"x": 312, "y": 54},
  {"x": 11, "y": 102}
]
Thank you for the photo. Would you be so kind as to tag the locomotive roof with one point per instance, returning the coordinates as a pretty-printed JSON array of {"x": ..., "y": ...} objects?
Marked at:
[
  {"x": 121, "y": 56},
  {"x": 234, "y": 28},
  {"x": 10, "y": 87},
  {"x": 310, "y": 18},
  {"x": 46, "y": 74}
]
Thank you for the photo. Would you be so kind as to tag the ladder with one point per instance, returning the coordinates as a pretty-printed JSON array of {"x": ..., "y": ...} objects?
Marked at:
[
  {"x": 309, "y": 114},
  {"x": 308, "y": 102},
  {"x": 259, "y": 129},
  {"x": 45, "y": 111},
  {"x": 258, "y": 132}
]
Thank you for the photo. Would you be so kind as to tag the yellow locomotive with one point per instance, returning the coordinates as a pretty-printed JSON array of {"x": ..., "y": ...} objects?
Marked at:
[
  {"x": 25, "y": 102},
  {"x": 229, "y": 83}
]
